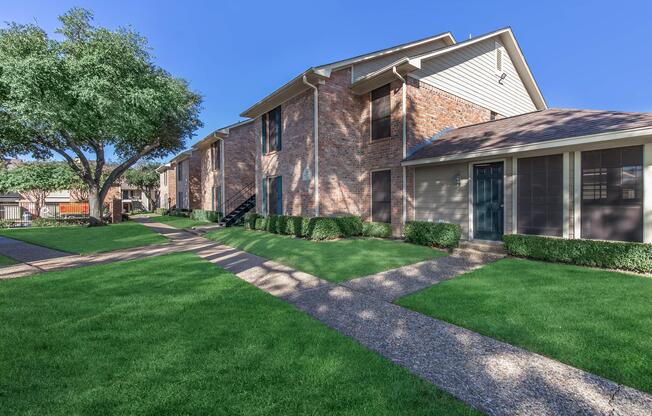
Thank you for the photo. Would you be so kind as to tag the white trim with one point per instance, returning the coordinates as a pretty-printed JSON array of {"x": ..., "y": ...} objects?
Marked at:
[
  {"x": 514, "y": 229},
  {"x": 471, "y": 179},
  {"x": 565, "y": 214},
  {"x": 569, "y": 141},
  {"x": 405, "y": 191},
  {"x": 315, "y": 132},
  {"x": 647, "y": 193},
  {"x": 577, "y": 196}
]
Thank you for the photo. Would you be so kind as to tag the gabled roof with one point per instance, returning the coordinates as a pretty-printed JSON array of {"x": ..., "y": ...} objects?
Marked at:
[
  {"x": 315, "y": 74},
  {"x": 222, "y": 132},
  {"x": 529, "y": 131},
  {"x": 380, "y": 77}
]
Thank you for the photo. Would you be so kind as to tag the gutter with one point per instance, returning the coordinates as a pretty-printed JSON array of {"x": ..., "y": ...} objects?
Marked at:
[
  {"x": 315, "y": 121},
  {"x": 404, "y": 120}
]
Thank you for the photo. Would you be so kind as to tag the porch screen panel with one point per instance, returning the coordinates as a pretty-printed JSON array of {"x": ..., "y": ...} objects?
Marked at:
[
  {"x": 381, "y": 196},
  {"x": 612, "y": 194},
  {"x": 540, "y": 195}
]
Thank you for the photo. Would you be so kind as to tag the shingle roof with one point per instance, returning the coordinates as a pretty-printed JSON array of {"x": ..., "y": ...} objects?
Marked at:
[{"x": 530, "y": 128}]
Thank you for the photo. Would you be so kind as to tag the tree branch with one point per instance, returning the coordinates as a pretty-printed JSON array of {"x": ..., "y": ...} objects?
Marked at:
[{"x": 120, "y": 169}]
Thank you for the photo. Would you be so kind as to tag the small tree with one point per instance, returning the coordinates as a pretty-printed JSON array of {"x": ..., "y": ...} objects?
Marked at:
[
  {"x": 36, "y": 180},
  {"x": 145, "y": 178},
  {"x": 91, "y": 91}
]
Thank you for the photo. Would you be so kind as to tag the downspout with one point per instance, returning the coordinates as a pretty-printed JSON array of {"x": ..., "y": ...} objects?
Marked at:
[
  {"x": 223, "y": 181},
  {"x": 316, "y": 140},
  {"x": 404, "y": 120}
]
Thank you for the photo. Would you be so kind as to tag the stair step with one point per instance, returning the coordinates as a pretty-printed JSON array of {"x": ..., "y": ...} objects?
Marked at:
[{"x": 493, "y": 247}]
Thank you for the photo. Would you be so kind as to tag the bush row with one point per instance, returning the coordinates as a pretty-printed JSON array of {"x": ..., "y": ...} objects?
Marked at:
[
  {"x": 161, "y": 211},
  {"x": 59, "y": 222},
  {"x": 635, "y": 257},
  {"x": 377, "y": 229},
  {"x": 437, "y": 234},
  {"x": 318, "y": 228},
  {"x": 205, "y": 215}
]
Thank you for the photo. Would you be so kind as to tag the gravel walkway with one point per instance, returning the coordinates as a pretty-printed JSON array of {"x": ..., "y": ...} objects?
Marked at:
[{"x": 393, "y": 284}]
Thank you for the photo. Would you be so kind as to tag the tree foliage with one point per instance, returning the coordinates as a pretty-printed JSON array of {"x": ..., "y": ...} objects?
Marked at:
[
  {"x": 145, "y": 178},
  {"x": 87, "y": 92},
  {"x": 36, "y": 180}
]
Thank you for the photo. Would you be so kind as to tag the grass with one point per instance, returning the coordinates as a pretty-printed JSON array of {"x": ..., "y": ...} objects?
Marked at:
[
  {"x": 87, "y": 240},
  {"x": 597, "y": 320},
  {"x": 176, "y": 335},
  {"x": 6, "y": 261},
  {"x": 178, "y": 222},
  {"x": 332, "y": 260}
]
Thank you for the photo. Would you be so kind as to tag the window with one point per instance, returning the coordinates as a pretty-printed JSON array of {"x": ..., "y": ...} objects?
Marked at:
[
  {"x": 217, "y": 198},
  {"x": 381, "y": 114},
  {"x": 165, "y": 178},
  {"x": 216, "y": 154},
  {"x": 272, "y": 130},
  {"x": 179, "y": 170},
  {"x": 492, "y": 115},
  {"x": 381, "y": 196},
  {"x": 125, "y": 194},
  {"x": 612, "y": 194},
  {"x": 180, "y": 200},
  {"x": 540, "y": 195},
  {"x": 273, "y": 195}
]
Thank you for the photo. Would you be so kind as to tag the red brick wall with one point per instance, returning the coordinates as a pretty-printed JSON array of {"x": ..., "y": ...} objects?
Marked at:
[
  {"x": 347, "y": 156},
  {"x": 194, "y": 180},
  {"x": 239, "y": 158},
  {"x": 295, "y": 155}
]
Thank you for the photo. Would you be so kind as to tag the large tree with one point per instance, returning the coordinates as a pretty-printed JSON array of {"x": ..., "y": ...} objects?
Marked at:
[
  {"x": 89, "y": 92},
  {"x": 146, "y": 179}
]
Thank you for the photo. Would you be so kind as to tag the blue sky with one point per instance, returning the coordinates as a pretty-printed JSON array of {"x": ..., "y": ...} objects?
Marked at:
[{"x": 584, "y": 54}]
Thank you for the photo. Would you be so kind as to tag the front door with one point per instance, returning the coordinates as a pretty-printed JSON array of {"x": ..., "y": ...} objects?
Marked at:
[{"x": 488, "y": 202}]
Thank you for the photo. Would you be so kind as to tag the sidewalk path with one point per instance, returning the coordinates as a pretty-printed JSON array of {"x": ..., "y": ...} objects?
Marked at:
[
  {"x": 26, "y": 252},
  {"x": 492, "y": 376},
  {"x": 393, "y": 284}
]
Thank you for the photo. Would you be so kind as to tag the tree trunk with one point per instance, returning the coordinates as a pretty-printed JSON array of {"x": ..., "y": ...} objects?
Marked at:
[{"x": 95, "y": 206}]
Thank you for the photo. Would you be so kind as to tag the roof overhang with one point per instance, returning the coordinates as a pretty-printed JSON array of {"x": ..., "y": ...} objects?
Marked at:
[
  {"x": 221, "y": 133},
  {"x": 163, "y": 168},
  {"x": 294, "y": 87},
  {"x": 180, "y": 157},
  {"x": 385, "y": 75},
  {"x": 595, "y": 140}
]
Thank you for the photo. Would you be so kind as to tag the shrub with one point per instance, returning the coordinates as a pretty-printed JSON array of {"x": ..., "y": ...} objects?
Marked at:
[
  {"x": 205, "y": 215},
  {"x": 306, "y": 227},
  {"x": 59, "y": 222},
  {"x": 177, "y": 212},
  {"x": 6, "y": 223},
  {"x": 376, "y": 229},
  {"x": 324, "y": 228},
  {"x": 261, "y": 224},
  {"x": 350, "y": 226},
  {"x": 438, "y": 234},
  {"x": 161, "y": 211},
  {"x": 271, "y": 223},
  {"x": 281, "y": 224},
  {"x": 635, "y": 257},
  {"x": 293, "y": 226},
  {"x": 250, "y": 220}
]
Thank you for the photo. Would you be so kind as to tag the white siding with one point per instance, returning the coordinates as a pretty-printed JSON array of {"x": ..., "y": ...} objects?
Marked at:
[
  {"x": 366, "y": 67},
  {"x": 470, "y": 73}
]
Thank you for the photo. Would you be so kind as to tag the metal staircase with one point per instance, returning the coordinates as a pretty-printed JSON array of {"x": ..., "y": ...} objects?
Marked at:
[{"x": 238, "y": 205}]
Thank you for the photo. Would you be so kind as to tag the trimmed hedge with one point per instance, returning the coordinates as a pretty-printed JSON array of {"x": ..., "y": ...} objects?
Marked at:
[
  {"x": 324, "y": 228},
  {"x": 261, "y": 224},
  {"x": 294, "y": 226},
  {"x": 59, "y": 222},
  {"x": 205, "y": 215},
  {"x": 177, "y": 212},
  {"x": 438, "y": 234},
  {"x": 377, "y": 229},
  {"x": 250, "y": 220},
  {"x": 636, "y": 257},
  {"x": 161, "y": 211},
  {"x": 350, "y": 226}
]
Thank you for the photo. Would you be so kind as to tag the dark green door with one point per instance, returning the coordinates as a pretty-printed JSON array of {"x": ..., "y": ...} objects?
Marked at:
[{"x": 488, "y": 203}]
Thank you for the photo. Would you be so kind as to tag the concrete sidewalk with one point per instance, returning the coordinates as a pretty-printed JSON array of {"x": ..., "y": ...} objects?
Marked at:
[{"x": 26, "y": 252}]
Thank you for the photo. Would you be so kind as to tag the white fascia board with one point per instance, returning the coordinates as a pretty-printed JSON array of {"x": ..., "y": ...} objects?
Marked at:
[
  {"x": 551, "y": 144},
  {"x": 384, "y": 75}
]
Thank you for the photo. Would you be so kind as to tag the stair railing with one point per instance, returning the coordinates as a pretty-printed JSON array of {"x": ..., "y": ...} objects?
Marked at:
[{"x": 238, "y": 199}]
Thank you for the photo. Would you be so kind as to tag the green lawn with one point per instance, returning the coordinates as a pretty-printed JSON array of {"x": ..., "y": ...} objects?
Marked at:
[
  {"x": 333, "y": 260},
  {"x": 176, "y": 335},
  {"x": 178, "y": 222},
  {"x": 87, "y": 240},
  {"x": 597, "y": 320},
  {"x": 6, "y": 261}
]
